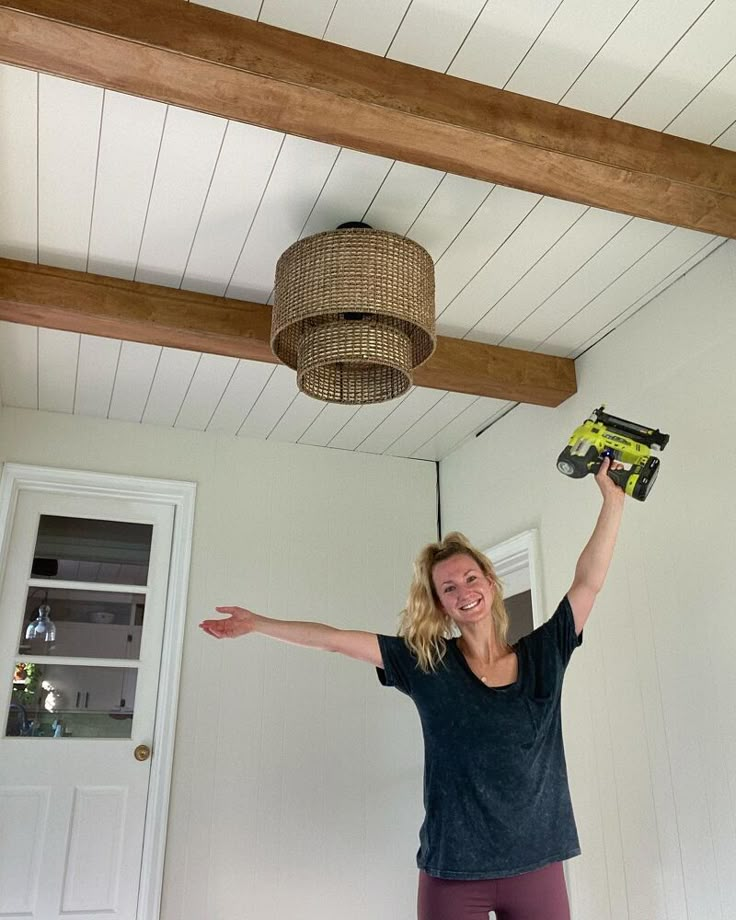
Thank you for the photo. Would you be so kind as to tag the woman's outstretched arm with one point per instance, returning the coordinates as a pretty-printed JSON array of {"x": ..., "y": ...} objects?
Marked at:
[{"x": 351, "y": 642}]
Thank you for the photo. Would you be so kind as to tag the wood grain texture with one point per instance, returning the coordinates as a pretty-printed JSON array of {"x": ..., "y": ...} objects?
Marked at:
[
  {"x": 56, "y": 298},
  {"x": 215, "y": 62},
  {"x": 461, "y": 366}
]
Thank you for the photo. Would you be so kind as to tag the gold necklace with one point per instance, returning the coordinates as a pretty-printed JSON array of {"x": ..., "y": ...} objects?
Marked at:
[
  {"x": 482, "y": 676},
  {"x": 471, "y": 658}
]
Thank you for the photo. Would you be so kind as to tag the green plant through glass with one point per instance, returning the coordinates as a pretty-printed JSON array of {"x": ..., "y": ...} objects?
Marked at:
[{"x": 26, "y": 683}]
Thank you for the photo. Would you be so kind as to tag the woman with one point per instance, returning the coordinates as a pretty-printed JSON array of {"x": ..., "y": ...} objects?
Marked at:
[{"x": 498, "y": 817}]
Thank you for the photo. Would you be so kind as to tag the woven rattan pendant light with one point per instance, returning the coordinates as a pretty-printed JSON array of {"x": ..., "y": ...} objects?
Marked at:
[{"x": 354, "y": 313}]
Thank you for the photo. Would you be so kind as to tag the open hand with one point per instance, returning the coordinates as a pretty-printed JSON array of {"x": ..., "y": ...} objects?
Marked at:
[
  {"x": 238, "y": 622},
  {"x": 607, "y": 486}
]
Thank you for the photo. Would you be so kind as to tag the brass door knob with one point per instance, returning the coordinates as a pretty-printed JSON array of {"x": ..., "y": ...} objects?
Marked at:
[{"x": 142, "y": 752}]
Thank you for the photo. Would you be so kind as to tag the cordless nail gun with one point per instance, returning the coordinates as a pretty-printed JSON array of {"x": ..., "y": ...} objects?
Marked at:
[{"x": 603, "y": 435}]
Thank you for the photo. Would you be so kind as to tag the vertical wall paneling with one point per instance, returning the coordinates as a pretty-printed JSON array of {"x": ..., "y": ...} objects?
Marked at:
[
  {"x": 670, "y": 869},
  {"x": 594, "y": 898},
  {"x": 572, "y": 37},
  {"x": 402, "y": 196},
  {"x": 307, "y": 18},
  {"x": 350, "y": 26},
  {"x": 136, "y": 368},
  {"x": 350, "y": 187},
  {"x": 510, "y": 27},
  {"x": 300, "y": 172},
  {"x": 275, "y": 398},
  {"x": 650, "y": 773},
  {"x": 632, "y": 764},
  {"x": 189, "y": 149},
  {"x": 674, "y": 250},
  {"x": 210, "y": 379},
  {"x": 473, "y": 418},
  {"x": 243, "y": 168},
  {"x": 130, "y": 139},
  {"x": 98, "y": 364},
  {"x": 19, "y": 365},
  {"x": 174, "y": 374},
  {"x": 614, "y": 896},
  {"x": 297, "y": 778},
  {"x": 326, "y": 425},
  {"x": 58, "y": 354},
  {"x": 653, "y": 292},
  {"x": 569, "y": 255},
  {"x": 247, "y": 8},
  {"x": 432, "y": 32},
  {"x": 536, "y": 234},
  {"x": 296, "y": 419},
  {"x": 727, "y": 140},
  {"x": 710, "y": 112},
  {"x": 685, "y": 70},
  {"x": 18, "y": 155},
  {"x": 453, "y": 203},
  {"x": 475, "y": 243},
  {"x": 417, "y": 402},
  {"x": 631, "y": 243},
  {"x": 298, "y": 682},
  {"x": 360, "y": 425},
  {"x": 135, "y": 189},
  {"x": 243, "y": 389},
  {"x": 644, "y": 37},
  {"x": 68, "y": 139},
  {"x": 431, "y": 423},
  {"x": 493, "y": 223}
]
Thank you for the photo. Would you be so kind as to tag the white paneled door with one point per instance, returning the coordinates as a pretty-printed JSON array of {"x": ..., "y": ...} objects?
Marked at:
[{"x": 82, "y": 606}]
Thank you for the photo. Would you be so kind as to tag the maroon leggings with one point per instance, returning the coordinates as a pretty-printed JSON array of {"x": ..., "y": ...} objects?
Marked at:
[{"x": 538, "y": 895}]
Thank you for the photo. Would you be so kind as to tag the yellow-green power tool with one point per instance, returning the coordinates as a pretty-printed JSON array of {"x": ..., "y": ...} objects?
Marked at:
[{"x": 603, "y": 435}]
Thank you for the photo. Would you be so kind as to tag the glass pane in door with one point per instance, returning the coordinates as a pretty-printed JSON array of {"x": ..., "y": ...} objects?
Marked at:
[
  {"x": 82, "y": 623},
  {"x": 70, "y": 701},
  {"x": 86, "y": 549}
]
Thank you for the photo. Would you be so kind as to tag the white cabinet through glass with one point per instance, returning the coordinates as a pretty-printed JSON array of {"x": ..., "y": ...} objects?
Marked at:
[{"x": 79, "y": 641}]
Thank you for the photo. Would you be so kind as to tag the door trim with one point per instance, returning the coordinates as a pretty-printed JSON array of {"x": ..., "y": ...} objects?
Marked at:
[
  {"x": 515, "y": 555},
  {"x": 16, "y": 478}
]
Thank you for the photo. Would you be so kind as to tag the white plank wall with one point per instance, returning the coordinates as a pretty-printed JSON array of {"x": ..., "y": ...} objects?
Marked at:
[
  {"x": 134, "y": 189},
  {"x": 130, "y": 139},
  {"x": 69, "y": 116},
  {"x": 297, "y": 777},
  {"x": 19, "y": 173},
  {"x": 648, "y": 709}
]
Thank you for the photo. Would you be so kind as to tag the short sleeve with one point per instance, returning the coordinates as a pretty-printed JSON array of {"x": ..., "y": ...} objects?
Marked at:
[
  {"x": 399, "y": 665},
  {"x": 560, "y": 631}
]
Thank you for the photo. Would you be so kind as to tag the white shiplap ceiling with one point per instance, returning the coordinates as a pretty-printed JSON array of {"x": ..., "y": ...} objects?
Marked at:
[{"x": 97, "y": 181}]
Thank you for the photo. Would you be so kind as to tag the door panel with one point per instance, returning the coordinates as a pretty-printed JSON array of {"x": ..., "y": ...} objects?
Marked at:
[
  {"x": 81, "y": 804},
  {"x": 94, "y": 858}
]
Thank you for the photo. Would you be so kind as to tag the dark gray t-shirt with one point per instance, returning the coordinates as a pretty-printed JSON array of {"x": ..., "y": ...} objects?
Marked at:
[{"x": 496, "y": 796}]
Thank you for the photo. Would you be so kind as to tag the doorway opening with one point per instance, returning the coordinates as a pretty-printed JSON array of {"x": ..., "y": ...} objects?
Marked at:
[{"x": 517, "y": 564}]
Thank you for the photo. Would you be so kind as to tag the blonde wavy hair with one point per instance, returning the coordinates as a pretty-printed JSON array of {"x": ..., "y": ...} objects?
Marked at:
[{"x": 423, "y": 624}]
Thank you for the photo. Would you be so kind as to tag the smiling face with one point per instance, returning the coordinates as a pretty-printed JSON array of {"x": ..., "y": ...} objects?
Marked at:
[{"x": 465, "y": 592}]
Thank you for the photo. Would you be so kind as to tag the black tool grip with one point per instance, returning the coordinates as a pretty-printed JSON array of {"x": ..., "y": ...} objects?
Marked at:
[{"x": 620, "y": 477}]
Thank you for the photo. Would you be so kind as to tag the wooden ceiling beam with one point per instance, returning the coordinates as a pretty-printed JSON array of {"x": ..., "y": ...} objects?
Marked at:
[
  {"x": 56, "y": 298},
  {"x": 215, "y": 62}
]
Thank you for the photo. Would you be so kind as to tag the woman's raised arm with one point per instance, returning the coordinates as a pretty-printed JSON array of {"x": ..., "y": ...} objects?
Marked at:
[
  {"x": 592, "y": 567},
  {"x": 351, "y": 642}
]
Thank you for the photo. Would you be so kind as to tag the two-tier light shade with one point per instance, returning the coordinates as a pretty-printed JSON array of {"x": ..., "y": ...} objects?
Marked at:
[{"x": 354, "y": 313}]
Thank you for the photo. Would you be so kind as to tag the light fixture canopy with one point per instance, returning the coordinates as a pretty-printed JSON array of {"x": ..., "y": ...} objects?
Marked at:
[{"x": 354, "y": 313}]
